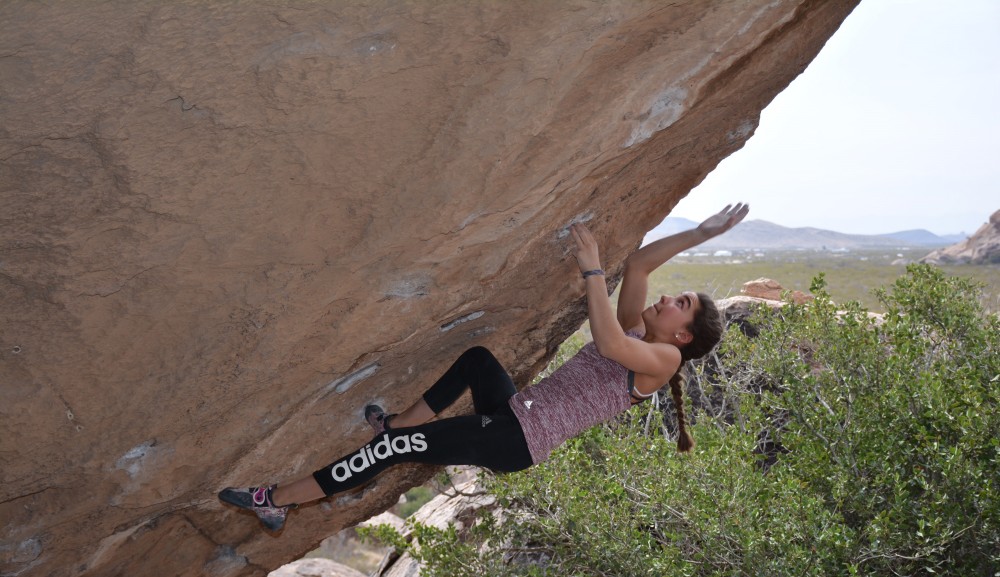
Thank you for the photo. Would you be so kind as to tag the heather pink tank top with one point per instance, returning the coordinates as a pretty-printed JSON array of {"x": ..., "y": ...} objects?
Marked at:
[{"x": 586, "y": 390}]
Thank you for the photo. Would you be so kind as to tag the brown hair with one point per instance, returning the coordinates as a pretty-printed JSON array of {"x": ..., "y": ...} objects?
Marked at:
[{"x": 706, "y": 330}]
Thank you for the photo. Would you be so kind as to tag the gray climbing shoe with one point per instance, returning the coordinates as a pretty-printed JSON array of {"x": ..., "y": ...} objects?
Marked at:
[{"x": 257, "y": 500}]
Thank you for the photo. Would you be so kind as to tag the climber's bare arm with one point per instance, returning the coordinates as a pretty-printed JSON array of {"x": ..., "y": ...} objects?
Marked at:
[
  {"x": 638, "y": 267},
  {"x": 658, "y": 360}
]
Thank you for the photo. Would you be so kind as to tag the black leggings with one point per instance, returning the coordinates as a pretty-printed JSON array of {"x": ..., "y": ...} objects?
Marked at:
[{"x": 492, "y": 438}]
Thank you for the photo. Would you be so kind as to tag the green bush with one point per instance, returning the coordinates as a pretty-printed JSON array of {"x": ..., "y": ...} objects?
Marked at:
[
  {"x": 895, "y": 424},
  {"x": 848, "y": 445},
  {"x": 416, "y": 498}
]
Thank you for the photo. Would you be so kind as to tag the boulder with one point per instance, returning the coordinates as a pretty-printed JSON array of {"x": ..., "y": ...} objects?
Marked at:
[
  {"x": 769, "y": 289},
  {"x": 227, "y": 227},
  {"x": 385, "y": 518},
  {"x": 983, "y": 247},
  {"x": 456, "y": 507},
  {"x": 315, "y": 567}
]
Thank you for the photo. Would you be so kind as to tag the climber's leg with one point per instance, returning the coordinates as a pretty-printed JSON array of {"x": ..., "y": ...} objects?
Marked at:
[
  {"x": 492, "y": 441},
  {"x": 417, "y": 414},
  {"x": 302, "y": 491},
  {"x": 476, "y": 369}
]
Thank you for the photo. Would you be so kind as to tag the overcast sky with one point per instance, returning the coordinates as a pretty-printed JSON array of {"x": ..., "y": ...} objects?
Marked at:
[{"x": 894, "y": 126}]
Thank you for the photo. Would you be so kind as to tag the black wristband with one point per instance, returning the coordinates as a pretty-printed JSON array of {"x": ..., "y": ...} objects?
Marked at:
[{"x": 595, "y": 272}]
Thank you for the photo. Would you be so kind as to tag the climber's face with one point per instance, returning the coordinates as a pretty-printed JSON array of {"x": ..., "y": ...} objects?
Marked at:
[{"x": 668, "y": 319}]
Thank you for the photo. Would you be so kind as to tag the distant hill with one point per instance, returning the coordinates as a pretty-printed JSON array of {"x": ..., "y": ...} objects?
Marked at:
[
  {"x": 921, "y": 237},
  {"x": 761, "y": 234}
]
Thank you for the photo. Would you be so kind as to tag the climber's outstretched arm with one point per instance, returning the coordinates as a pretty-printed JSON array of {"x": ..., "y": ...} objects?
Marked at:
[
  {"x": 638, "y": 267},
  {"x": 658, "y": 360}
]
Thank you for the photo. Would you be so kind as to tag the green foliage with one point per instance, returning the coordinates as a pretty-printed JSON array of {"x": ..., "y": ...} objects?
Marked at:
[
  {"x": 440, "y": 550},
  {"x": 849, "y": 445},
  {"x": 416, "y": 498},
  {"x": 895, "y": 424}
]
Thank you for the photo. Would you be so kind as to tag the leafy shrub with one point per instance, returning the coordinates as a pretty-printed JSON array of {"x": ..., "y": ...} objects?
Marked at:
[
  {"x": 848, "y": 445},
  {"x": 416, "y": 498}
]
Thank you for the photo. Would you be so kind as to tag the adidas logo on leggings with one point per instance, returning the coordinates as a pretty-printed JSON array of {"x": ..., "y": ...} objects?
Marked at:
[{"x": 382, "y": 450}]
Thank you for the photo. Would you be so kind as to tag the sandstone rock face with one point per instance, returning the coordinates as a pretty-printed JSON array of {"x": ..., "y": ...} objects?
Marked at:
[
  {"x": 983, "y": 247},
  {"x": 227, "y": 226}
]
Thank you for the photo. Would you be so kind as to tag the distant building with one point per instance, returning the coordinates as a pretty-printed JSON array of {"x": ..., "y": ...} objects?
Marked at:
[{"x": 723, "y": 253}]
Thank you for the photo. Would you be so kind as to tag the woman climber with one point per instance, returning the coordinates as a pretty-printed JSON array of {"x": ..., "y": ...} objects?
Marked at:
[{"x": 632, "y": 355}]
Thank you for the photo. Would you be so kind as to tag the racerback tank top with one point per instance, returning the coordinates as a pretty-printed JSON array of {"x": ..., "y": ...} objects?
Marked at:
[{"x": 586, "y": 390}]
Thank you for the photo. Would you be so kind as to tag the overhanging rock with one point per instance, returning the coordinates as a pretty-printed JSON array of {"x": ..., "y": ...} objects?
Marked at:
[{"x": 228, "y": 226}]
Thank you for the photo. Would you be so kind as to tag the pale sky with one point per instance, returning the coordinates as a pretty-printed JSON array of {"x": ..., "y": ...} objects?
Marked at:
[{"x": 894, "y": 126}]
